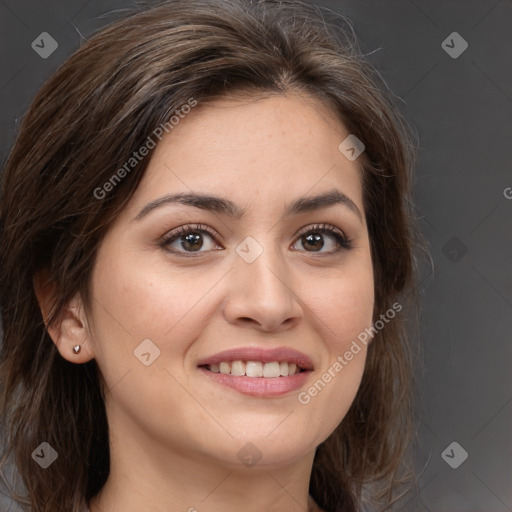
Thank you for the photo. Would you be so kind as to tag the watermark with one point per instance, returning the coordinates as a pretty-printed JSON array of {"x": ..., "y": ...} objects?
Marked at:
[
  {"x": 146, "y": 352},
  {"x": 249, "y": 455},
  {"x": 44, "y": 45},
  {"x": 364, "y": 337},
  {"x": 249, "y": 249},
  {"x": 455, "y": 249},
  {"x": 143, "y": 151},
  {"x": 351, "y": 147},
  {"x": 454, "y": 45},
  {"x": 45, "y": 455},
  {"x": 454, "y": 455},
  {"x": 507, "y": 192}
]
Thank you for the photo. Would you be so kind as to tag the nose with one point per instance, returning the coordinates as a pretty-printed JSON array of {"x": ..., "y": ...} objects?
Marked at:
[{"x": 261, "y": 295}]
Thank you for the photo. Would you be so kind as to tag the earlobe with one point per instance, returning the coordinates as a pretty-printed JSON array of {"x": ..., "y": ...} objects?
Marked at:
[
  {"x": 71, "y": 334},
  {"x": 68, "y": 330}
]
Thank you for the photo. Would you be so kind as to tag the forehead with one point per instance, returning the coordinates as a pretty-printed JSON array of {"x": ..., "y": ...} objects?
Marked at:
[
  {"x": 253, "y": 149},
  {"x": 244, "y": 124}
]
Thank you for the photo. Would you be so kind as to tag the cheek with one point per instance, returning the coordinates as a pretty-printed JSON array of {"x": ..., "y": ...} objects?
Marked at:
[
  {"x": 343, "y": 309},
  {"x": 136, "y": 300},
  {"x": 133, "y": 303},
  {"x": 346, "y": 317},
  {"x": 343, "y": 302}
]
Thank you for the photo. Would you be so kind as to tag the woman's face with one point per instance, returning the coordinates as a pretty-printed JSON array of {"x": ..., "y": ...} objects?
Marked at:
[{"x": 246, "y": 266}]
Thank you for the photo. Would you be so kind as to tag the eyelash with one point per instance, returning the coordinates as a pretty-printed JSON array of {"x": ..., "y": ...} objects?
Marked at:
[{"x": 341, "y": 240}]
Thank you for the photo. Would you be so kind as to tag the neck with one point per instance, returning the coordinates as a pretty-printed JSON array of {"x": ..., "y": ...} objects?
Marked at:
[{"x": 147, "y": 476}]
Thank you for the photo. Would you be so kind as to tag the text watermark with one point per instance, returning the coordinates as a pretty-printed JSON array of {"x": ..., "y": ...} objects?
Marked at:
[
  {"x": 143, "y": 151},
  {"x": 364, "y": 337}
]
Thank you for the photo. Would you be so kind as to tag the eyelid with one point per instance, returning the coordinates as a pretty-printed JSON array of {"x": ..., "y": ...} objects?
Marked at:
[
  {"x": 185, "y": 229},
  {"x": 321, "y": 227}
]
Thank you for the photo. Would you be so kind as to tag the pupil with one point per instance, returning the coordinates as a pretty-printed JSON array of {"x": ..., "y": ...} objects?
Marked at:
[
  {"x": 194, "y": 240},
  {"x": 315, "y": 241}
]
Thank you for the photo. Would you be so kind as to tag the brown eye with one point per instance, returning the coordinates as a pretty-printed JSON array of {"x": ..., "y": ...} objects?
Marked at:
[
  {"x": 189, "y": 239},
  {"x": 325, "y": 236},
  {"x": 192, "y": 241},
  {"x": 314, "y": 241}
]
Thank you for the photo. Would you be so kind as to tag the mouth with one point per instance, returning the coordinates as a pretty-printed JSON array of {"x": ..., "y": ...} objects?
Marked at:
[
  {"x": 257, "y": 372},
  {"x": 255, "y": 369}
]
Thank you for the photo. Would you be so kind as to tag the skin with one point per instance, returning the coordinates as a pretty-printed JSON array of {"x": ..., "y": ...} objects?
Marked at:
[{"x": 174, "y": 434}]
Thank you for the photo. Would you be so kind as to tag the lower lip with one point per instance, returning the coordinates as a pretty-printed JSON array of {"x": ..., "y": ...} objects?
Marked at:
[{"x": 259, "y": 386}]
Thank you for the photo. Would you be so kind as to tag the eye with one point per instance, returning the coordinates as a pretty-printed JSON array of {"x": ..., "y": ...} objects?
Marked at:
[
  {"x": 323, "y": 238},
  {"x": 190, "y": 239}
]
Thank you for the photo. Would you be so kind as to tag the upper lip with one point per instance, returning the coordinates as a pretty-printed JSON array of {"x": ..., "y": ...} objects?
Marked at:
[{"x": 265, "y": 355}]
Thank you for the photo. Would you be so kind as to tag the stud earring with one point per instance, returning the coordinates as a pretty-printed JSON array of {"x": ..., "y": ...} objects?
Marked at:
[{"x": 76, "y": 349}]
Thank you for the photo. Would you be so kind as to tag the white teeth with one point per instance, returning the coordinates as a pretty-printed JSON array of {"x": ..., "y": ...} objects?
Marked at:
[
  {"x": 271, "y": 369},
  {"x": 255, "y": 368},
  {"x": 225, "y": 368},
  {"x": 238, "y": 368}
]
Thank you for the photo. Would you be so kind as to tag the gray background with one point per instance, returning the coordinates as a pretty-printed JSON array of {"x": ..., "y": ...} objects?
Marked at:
[{"x": 461, "y": 110}]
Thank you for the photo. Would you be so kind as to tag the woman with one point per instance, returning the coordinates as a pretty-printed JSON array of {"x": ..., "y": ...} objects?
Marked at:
[{"x": 206, "y": 257}]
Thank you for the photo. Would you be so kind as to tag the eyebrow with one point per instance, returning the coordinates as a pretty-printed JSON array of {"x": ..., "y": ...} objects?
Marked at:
[{"x": 227, "y": 207}]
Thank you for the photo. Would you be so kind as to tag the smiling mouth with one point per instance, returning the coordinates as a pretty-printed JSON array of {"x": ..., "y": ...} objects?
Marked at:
[{"x": 256, "y": 369}]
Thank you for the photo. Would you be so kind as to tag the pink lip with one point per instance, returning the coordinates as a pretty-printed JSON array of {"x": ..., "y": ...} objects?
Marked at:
[
  {"x": 281, "y": 354},
  {"x": 259, "y": 386}
]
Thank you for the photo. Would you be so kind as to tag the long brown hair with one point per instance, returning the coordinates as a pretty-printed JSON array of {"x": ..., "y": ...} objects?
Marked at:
[{"x": 85, "y": 123}]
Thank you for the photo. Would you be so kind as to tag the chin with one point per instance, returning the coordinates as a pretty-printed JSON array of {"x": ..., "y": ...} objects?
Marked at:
[{"x": 253, "y": 451}]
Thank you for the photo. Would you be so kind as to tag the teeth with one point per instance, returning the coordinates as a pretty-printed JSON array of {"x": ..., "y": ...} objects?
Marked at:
[
  {"x": 238, "y": 368},
  {"x": 271, "y": 369},
  {"x": 225, "y": 368},
  {"x": 255, "y": 368}
]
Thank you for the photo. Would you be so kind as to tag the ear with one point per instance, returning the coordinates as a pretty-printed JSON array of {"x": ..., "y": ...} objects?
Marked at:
[{"x": 69, "y": 328}]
